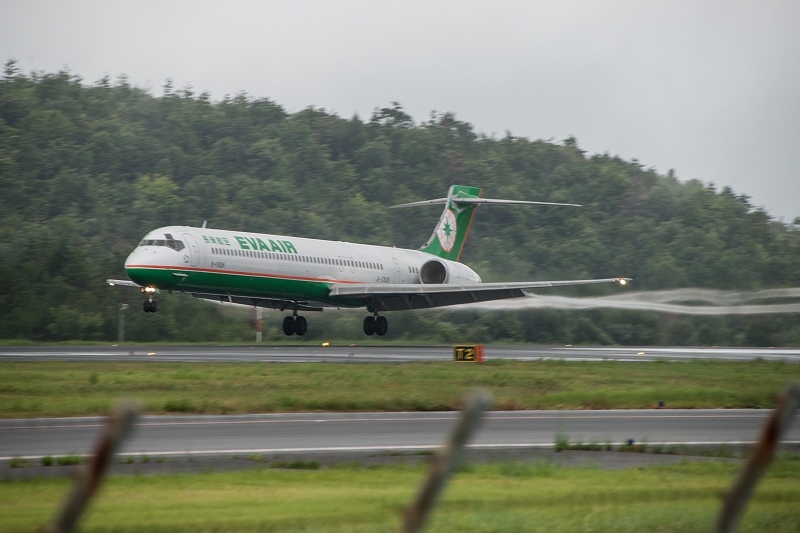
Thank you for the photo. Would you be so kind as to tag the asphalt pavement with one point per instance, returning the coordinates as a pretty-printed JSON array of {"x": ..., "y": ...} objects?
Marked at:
[
  {"x": 370, "y": 432},
  {"x": 381, "y": 354}
]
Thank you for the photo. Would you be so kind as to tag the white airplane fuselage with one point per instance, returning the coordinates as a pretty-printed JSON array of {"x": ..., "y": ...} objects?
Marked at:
[{"x": 212, "y": 261}]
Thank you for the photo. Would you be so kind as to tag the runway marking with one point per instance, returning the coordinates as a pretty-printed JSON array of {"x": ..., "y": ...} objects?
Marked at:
[
  {"x": 539, "y": 445},
  {"x": 395, "y": 419}
]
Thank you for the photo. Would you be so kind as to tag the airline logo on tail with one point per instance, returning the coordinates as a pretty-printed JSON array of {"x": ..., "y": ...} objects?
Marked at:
[{"x": 447, "y": 230}]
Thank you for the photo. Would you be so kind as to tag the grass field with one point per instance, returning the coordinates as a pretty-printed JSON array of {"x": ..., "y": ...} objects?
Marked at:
[
  {"x": 69, "y": 389},
  {"x": 504, "y": 497}
]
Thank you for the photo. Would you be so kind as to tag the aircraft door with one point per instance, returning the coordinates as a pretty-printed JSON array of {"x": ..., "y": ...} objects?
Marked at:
[
  {"x": 194, "y": 251},
  {"x": 397, "y": 273}
]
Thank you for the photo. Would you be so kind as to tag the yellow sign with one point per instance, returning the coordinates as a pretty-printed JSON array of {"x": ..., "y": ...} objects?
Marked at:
[{"x": 471, "y": 353}]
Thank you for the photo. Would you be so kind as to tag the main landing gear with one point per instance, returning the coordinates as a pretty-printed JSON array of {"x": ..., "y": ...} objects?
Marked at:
[
  {"x": 295, "y": 324},
  {"x": 376, "y": 324}
]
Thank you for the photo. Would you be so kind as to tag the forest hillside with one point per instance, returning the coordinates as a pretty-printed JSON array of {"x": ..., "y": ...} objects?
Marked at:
[{"x": 86, "y": 169}]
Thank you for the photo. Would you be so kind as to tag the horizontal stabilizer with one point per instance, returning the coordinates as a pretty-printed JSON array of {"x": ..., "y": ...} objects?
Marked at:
[{"x": 480, "y": 201}]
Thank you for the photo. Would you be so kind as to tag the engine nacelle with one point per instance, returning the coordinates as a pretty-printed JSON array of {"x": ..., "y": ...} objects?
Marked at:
[
  {"x": 433, "y": 272},
  {"x": 439, "y": 271}
]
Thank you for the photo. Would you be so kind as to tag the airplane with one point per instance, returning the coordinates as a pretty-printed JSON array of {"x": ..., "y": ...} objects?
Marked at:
[{"x": 298, "y": 274}]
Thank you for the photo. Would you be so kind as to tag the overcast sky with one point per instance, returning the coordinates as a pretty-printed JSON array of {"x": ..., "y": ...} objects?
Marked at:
[{"x": 710, "y": 89}]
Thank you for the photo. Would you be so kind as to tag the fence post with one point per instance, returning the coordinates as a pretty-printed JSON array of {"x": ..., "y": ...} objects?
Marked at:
[
  {"x": 445, "y": 461},
  {"x": 119, "y": 425},
  {"x": 760, "y": 457}
]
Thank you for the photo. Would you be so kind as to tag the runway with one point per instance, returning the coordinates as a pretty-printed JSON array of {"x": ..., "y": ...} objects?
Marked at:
[
  {"x": 381, "y": 354},
  {"x": 375, "y": 432}
]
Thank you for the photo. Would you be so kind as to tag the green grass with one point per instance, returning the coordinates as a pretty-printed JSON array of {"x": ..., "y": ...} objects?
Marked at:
[
  {"x": 504, "y": 497},
  {"x": 85, "y": 388}
]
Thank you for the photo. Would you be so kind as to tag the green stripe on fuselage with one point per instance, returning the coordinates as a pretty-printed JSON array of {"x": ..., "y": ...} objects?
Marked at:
[{"x": 239, "y": 285}]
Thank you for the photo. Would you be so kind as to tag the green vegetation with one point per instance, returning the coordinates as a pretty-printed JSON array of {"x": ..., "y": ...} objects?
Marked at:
[
  {"x": 504, "y": 497},
  {"x": 63, "y": 389},
  {"x": 87, "y": 169},
  {"x": 19, "y": 462}
]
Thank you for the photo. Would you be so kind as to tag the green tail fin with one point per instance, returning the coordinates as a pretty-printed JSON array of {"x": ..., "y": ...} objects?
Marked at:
[{"x": 448, "y": 238}]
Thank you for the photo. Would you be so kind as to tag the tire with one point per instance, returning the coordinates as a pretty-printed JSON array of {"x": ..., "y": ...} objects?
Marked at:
[
  {"x": 369, "y": 325},
  {"x": 288, "y": 325},
  {"x": 381, "y": 326},
  {"x": 146, "y": 307},
  {"x": 300, "y": 325},
  {"x": 153, "y": 306}
]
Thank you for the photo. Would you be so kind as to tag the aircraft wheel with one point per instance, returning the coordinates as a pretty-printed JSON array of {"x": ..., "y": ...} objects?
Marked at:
[
  {"x": 153, "y": 306},
  {"x": 300, "y": 325},
  {"x": 381, "y": 325},
  {"x": 146, "y": 307},
  {"x": 369, "y": 325},
  {"x": 288, "y": 325}
]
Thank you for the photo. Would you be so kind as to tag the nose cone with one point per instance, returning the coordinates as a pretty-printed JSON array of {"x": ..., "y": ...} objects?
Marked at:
[{"x": 144, "y": 266}]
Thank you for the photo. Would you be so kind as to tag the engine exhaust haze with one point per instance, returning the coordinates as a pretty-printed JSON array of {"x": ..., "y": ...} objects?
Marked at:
[{"x": 676, "y": 301}]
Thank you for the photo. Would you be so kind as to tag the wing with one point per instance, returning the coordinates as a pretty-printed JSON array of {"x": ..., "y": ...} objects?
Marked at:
[
  {"x": 384, "y": 297},
  {"x": 271, "y": 303},
  {"x": 123, "y": 282}
]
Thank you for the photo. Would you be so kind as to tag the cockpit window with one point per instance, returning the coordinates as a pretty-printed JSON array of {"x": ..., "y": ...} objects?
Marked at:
[{"x": 170, "y": 243}]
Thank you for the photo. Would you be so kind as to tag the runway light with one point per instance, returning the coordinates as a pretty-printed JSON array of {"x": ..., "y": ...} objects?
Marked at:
[
  {"x": 326, "y": 344},
  {"x": 639, "y": 353},
  {"x": 151, "y": 353}
]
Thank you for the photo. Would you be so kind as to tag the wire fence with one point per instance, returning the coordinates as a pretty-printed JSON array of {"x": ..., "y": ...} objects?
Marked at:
[{"x": 442, "y": 464}]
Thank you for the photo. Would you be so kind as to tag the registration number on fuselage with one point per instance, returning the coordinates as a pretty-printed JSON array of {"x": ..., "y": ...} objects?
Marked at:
[
  {"x": 383, "y": 279},
  {"x": 217, "y": 264}
]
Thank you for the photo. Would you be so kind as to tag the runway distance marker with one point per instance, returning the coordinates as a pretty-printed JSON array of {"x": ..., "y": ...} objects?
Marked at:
[{"x": 468, "y": 353}]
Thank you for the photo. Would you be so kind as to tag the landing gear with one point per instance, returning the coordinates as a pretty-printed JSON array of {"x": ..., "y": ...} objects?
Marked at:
[
  {"x": 295, "y": 324},
  {"x": 150, "y": 305},
  {"x": 381, "y": 326},
  {"x": 369, "y": 325},
  {"x": 376, "y": 324},
  {"x": 300, "y": 325},
  {"x": 288, "y": 326}
]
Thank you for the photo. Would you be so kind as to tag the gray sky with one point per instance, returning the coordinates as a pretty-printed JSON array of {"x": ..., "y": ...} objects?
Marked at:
[{"x": 711, "y": 89}]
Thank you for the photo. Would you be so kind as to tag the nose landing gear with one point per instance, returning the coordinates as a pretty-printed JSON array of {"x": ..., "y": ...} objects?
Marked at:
[
  {"x": 376, "y": 324},
  {"x": 150, "y": 305}
]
